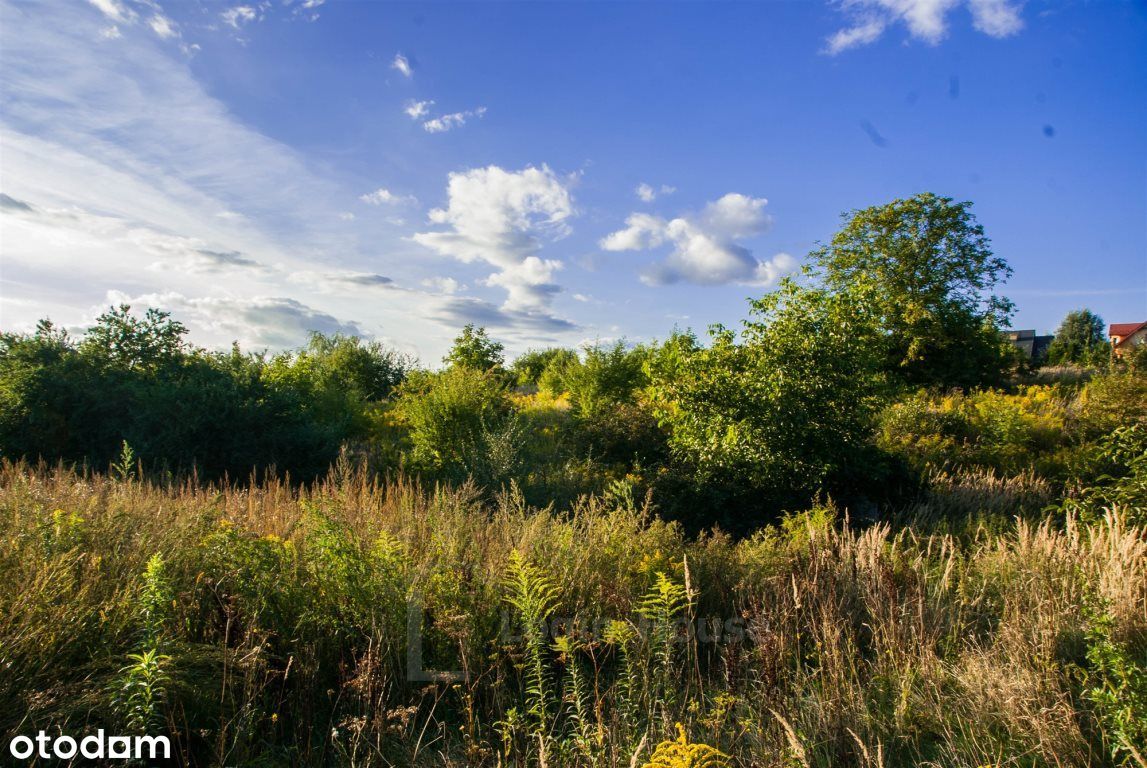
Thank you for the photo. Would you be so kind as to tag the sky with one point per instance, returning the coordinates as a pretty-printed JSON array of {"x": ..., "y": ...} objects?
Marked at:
[{"x": 561, "y": 173}]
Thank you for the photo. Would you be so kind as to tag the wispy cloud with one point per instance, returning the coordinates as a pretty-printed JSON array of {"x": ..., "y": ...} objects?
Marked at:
[
  {"x": 444, "y": 123},
  {"x": 402, "y": 65},
  {"x": 417, "y": 110},
  {"x": 238, "y": 16},
  {"x": 342, "y": 280},
  {"x": 383, "y": 196},
  {"x": 925, "y": 20},
  {"x": 121, "y": 173}
]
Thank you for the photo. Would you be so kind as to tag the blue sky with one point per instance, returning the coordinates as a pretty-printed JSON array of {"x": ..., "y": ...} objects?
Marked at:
[{"x": 559, "y": 172}]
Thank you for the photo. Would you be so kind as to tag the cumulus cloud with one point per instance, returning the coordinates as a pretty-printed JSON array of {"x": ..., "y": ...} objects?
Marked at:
[
  {"x": 383, "y": 196},
  {"x": 444, "y": 123},
  {"x": 705, "y": 248},
  {"x": 501, "y": 218},
  {"x": 402, "y": 64},
  {"x": 925, "y": 20},
  {"x": 998, "y": 18},
  {"x": 417, "y": 110},
  {"x": 647, "y": 193}
]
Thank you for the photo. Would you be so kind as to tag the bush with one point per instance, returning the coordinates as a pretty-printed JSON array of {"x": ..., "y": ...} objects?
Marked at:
[
  {"x": 784, "y": 410},
  {"x": 608, "y": 376},
  {"x": 1008, "y": 433},
  {"x": 451, "y": 415}
]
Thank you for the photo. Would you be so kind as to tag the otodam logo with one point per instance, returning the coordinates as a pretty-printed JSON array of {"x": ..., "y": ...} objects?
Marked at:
[{"x": 93, "y": 747}]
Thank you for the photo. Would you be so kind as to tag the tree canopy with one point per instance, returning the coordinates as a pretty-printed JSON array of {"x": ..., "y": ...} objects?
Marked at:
[
  {"x": 1081, "y": 339},
  {"x": 929, "y": 276},
  {"x": 473, "y": 348}
]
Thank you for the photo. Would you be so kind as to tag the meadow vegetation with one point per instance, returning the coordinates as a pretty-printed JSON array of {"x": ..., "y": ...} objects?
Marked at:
[{"x": 859, "y": 530}]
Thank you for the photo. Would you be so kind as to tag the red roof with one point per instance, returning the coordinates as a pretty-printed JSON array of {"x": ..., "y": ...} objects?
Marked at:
[{"x": 1123, "y": 330}]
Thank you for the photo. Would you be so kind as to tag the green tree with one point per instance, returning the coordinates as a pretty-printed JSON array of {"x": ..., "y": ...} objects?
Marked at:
[
  {"x": 338, "y": 380},
  {"x": 785, "y": 406},
  {"x": 930, "y": 275},
  {"x": 1081, "y": 339},
  {"x": 127, "y": 341},
  {"x": 134, "y": 379},
  {"x": 474, "y": 349}
]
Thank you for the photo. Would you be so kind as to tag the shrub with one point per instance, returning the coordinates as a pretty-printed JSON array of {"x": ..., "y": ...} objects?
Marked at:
[{"x": 448, "y": 413}]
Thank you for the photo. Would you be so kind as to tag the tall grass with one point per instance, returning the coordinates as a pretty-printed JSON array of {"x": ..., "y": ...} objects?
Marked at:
[{"x": 268, "y": 626}]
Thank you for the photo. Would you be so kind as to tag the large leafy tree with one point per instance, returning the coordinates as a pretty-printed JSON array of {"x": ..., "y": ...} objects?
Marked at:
[
  {"x": 930, "y": 277},
  {"x": 1081, "y": 339}
]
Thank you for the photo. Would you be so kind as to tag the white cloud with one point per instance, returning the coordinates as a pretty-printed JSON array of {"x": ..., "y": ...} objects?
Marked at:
[
  {"x": 854, "y": 37},
  {"x": 647, "y": 193},
  {"x": 273, "y": 322},
  {"x": 76, "y": 227},
  {"x": 998, "y": 18},
  {"x": 537, "y": 326},
  {"x": 333, "y": 282},
  {"x": 114, "y": 10},
  {"x": 705, "y": 247},
  {"x": 418, "y": 109},
  {"x": 444, "y": 123},
  {"x": 925, "y": 20},
  {"x": 383, "y": 196},
  {"x": 346, "y": 216},
  {"x": 402, "y": 64},
  {"x": 501, "y": 217},
  {"x": 239, "y": 15},
  {"x": 162, "y": 26},
  {"x": 122, "y": 173},
  {"x": 445, "y": 285},
  {"x": 121, "y": 13}
]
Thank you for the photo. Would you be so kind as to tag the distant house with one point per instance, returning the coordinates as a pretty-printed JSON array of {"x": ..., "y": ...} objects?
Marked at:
[
  {"x": 1124, "y": 336},
  {"x": 1034, "y": 347}
]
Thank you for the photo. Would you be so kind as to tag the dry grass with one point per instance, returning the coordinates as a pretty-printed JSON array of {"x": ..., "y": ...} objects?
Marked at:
[{"x": 287, "y": 631}]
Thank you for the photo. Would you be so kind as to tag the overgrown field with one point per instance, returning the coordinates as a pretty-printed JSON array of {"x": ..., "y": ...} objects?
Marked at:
[
  {"x": 862, "y": 530},
  {"x": 271, "y": 626}
]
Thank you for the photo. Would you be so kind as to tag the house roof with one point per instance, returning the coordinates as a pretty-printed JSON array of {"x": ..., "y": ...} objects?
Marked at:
[{"x": 1123, "y": 330}]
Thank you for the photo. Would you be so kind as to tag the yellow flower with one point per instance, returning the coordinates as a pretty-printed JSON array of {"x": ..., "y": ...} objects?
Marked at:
[{"x": 682, "y": 754}]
